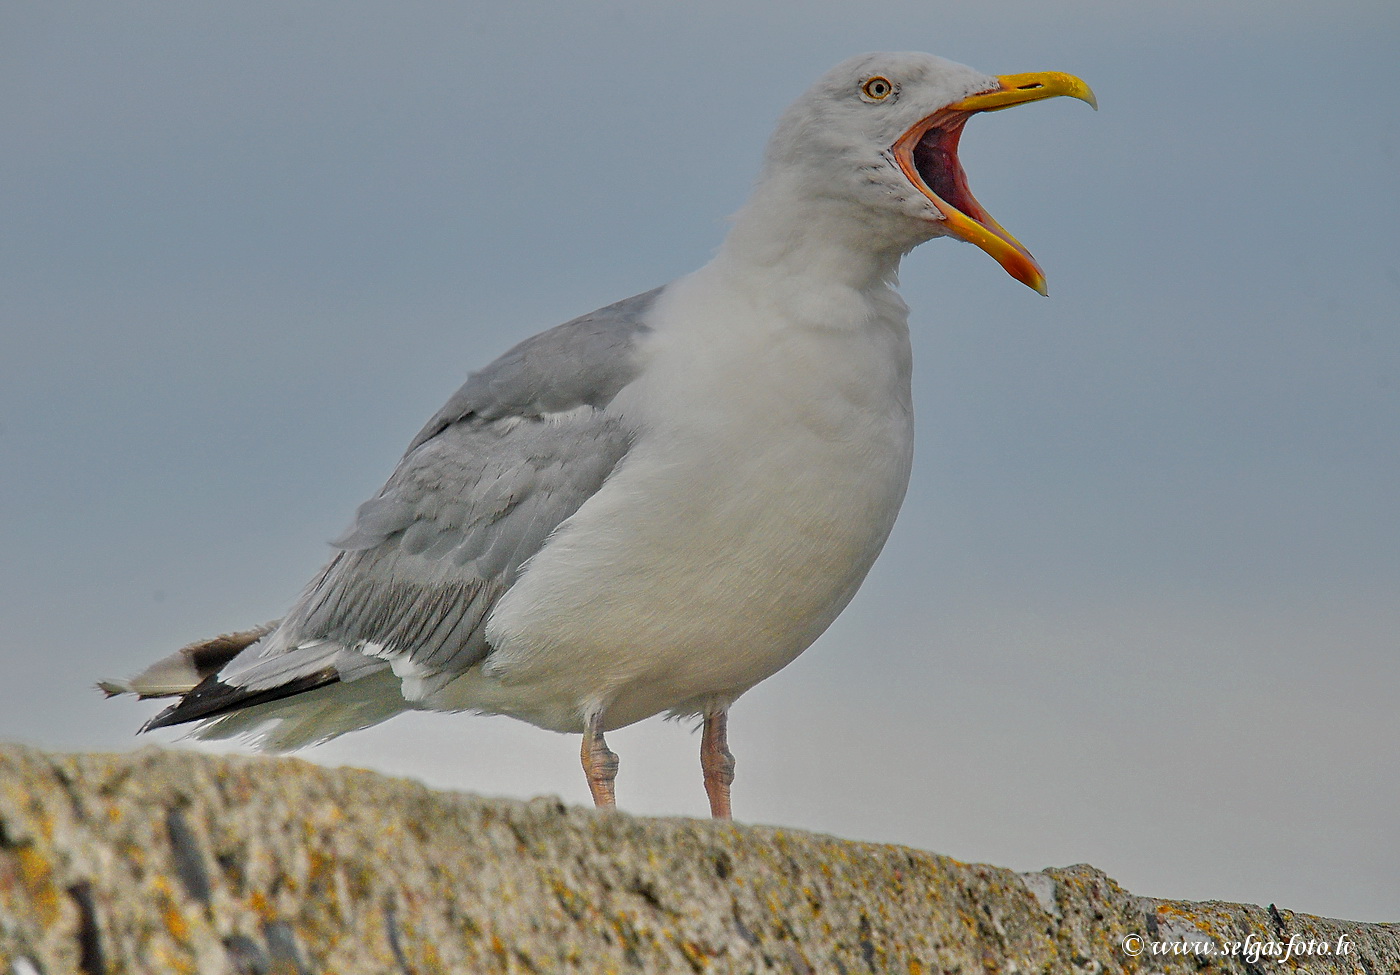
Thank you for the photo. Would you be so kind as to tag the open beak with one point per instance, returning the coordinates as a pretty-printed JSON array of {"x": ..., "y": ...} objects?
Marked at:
[{"x": 928, "y": 155}]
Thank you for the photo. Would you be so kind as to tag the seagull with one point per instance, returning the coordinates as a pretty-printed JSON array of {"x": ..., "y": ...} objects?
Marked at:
[{"x": 655, "y": 506}]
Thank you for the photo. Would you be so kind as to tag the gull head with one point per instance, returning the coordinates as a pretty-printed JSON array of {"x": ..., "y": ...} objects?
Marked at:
[{"x": 874, "y": 144}]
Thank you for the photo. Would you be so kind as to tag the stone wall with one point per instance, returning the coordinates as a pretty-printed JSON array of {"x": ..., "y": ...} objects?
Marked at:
[{"x": 168, "y": 862}]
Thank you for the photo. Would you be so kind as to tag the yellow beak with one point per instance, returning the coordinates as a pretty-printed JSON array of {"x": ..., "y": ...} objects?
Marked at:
[
  {"x": 933, "y": 142},
  {"x": 1017, "y": 89}
]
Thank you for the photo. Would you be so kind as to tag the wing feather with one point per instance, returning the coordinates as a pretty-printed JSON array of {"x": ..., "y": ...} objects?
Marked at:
[
  {"x": 512, "y": 455},
  {"x": 479, "y": 504}
]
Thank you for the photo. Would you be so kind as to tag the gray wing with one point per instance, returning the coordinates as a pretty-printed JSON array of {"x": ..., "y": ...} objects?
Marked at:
[
  {"x": 583, "y": 362},
  {"x": 427, "y": 558},
  {"x": 514, "y": 453}
]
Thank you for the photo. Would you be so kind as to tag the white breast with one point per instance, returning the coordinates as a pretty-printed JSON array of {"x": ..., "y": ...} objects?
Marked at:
[{"x": 770, "y": 462}]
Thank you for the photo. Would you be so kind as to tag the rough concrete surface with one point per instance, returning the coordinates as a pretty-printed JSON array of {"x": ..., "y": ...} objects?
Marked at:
[{"x": 168, "y": 861}]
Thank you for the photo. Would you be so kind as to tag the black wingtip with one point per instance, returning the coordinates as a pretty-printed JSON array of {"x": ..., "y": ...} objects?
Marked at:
[
  {"x": 212, "y": 698},
  {"x": 163, "y": 720}
]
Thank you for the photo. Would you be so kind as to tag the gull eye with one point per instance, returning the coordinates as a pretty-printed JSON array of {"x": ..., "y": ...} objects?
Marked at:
[{"x": 877, "y": 89}]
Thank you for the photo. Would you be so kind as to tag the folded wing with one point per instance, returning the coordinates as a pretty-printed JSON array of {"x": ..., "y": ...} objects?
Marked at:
[{"x": 400, "y": 610}]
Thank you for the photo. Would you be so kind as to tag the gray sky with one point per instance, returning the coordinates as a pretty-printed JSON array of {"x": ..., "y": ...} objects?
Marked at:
[{"x": 1140, "y": 609}]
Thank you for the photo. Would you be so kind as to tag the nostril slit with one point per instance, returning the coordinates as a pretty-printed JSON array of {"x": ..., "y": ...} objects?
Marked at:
[{"x": 1031, "y": 87}]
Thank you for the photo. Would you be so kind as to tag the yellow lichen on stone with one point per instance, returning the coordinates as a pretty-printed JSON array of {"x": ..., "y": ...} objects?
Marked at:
[
  {"x": 698, "y": 959},
  {"x": 169, "y": 963},
  {"x": 259, "y": 905},
  {"x": 38, "y": 880},
  {"x": 175, "y": 923}
]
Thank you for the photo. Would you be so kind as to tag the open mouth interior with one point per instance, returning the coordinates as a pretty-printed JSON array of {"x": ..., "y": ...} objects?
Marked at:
[{"x": 935, "y": 158}]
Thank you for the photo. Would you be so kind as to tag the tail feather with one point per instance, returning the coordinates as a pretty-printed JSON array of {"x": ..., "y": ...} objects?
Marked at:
[
  {"x": 311, "y": 717},
  {"x": 278, "y": 695},
  {"x": 188, "y": 667}
]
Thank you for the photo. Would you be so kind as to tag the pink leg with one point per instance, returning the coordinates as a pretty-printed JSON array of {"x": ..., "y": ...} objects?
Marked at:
[
  {"x": 717, "y": 763},
  {"x": 599, "y": 764}
]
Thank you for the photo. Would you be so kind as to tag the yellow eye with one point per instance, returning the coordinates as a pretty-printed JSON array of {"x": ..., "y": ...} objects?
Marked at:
[{"x": 877, "y": 89}]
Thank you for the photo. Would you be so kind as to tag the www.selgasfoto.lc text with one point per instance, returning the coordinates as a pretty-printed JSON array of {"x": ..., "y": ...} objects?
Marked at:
[{"x": 1252, "y": 949}]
